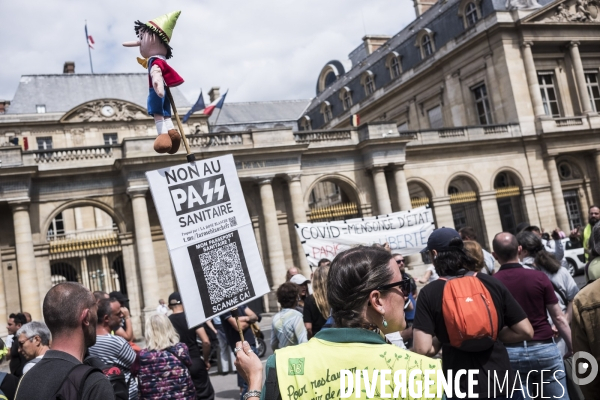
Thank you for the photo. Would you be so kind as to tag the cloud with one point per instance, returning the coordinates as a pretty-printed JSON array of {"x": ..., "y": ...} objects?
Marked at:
[{"x": 259, "y": 49}]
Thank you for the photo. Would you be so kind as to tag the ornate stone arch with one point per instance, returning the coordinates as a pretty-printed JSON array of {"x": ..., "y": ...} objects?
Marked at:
[
  {"x": 466, "y": 175},
  {"x": 345, "y": 183},
  {"x": 424, "y": 186},
  {"x": 119, "y": 219},
  {"x": 579, "y": 169},
  {"x": 519, "y": 179},
  {"x": 105, "y": 110}
]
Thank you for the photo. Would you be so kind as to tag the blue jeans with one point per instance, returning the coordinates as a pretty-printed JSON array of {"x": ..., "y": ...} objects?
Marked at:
[{"x": 531, "y": 361}]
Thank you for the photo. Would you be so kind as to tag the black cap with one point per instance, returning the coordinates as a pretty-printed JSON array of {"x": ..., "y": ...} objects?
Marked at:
[
  {"x": 523, "y": 226},
  {"x": 439, "y": 240},
  {"x": 120, "y": 297},
  {"x": 174, "y": 299}
]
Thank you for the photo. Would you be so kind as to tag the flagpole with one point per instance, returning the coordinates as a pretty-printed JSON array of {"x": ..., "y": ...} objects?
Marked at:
[{"x": 89, "y": 49}]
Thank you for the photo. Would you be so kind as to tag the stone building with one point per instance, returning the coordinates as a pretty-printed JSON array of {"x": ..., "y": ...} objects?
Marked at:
[{"x": 485, "y": 110}]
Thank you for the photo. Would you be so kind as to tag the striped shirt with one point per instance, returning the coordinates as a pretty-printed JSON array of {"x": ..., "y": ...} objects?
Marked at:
[
  {"x": 114, "y": 350},
  {"x": 288, "y": 329}
]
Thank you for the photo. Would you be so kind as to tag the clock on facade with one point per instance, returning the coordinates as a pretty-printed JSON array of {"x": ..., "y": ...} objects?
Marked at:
[{"x": 107, "y": 111}]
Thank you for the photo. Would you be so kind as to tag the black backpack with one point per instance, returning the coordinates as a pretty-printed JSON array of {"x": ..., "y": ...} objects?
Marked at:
[
  {"x": 71, "y": 387},
  {"x": 114, "y": 374}
]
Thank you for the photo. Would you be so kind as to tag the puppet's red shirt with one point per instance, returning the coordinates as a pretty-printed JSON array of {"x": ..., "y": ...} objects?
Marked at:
[{"x": 170, "y": 76}]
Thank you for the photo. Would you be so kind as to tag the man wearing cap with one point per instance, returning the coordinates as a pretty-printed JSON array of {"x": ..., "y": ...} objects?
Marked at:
[
  {"x": 303, "y": 282},
  {"x": 200, "y": 367},
  {"x": 430, "y": 334}
]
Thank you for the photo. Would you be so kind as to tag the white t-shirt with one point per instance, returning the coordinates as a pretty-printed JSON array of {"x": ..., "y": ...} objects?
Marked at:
[
  {"x": 162, "y": 309},
  {"x": 396, "y": 339},
  {"x": 434, "y": 276},
  {"x": 30, "y": 364}
]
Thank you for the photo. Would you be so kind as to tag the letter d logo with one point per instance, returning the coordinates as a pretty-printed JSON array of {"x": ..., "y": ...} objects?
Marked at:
[{"x": 583, "y": 367}]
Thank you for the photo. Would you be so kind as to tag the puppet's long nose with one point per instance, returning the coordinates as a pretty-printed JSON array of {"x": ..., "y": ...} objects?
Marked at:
[{"x": 137, "y": 43}]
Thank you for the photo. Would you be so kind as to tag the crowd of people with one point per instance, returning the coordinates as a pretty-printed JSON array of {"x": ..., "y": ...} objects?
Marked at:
[{"x": 525, "y": 319}]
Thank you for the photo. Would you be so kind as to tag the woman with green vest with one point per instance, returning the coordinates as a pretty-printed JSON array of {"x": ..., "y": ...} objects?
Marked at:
[{"x": 366, "y": 294}]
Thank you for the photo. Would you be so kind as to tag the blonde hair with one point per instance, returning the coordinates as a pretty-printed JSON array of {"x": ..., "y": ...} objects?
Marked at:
[
  {"x": 320, "y": 290},
  {"x": 474, "y": 250},
  {"x": 160, "y": 333}
]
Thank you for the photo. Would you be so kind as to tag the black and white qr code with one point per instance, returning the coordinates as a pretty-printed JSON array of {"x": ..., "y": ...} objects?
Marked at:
[
  {"x": 232, "y": 222},
  {"x": 223, "y": 272}
]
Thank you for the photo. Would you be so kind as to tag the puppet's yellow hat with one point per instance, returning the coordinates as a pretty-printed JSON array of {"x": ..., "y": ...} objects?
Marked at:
[{"x": 164, "y": 25}]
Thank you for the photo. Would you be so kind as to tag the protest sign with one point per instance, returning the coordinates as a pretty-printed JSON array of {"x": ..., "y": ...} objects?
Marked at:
[
  {"x": 406, "y": 232},
  {"x": 209, "y": 236}
]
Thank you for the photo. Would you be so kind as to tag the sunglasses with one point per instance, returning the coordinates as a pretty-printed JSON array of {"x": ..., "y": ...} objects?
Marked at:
[
  {"x": 400, "y": 261},
  {"x": 404, "y": 286}
]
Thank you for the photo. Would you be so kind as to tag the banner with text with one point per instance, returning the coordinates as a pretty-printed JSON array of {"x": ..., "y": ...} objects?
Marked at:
[
  {"x": 209, "y": 236},
  {"x": 406, "y": 232}
]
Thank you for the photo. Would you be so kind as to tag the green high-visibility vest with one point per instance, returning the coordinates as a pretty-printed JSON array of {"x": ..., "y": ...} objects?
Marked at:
[{"x": 313, "y": 370}]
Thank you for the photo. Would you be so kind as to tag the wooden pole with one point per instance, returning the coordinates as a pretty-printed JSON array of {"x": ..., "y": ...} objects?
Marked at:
[
  {"x": 190, "y": 155},
  {"x": 236, "y": 315}
]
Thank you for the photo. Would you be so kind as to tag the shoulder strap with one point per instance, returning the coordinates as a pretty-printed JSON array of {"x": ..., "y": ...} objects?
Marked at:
[
  {"x": 449, "y": 278},
  {"x": 77, "y": 376},
  {"x": 560, "y": 292}
]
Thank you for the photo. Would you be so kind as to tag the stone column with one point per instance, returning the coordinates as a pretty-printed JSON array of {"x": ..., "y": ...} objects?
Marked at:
[
  {"x": 384, "y": 205},
  {"x": 28, "y": 276},
  {"x": 557, "y": 195},
  {"x": 274, "y": 245},
  {"x": 491, "y": 216},
  {"x": 107, "y": 275},
  {"x": 530, "y": 202},
  {"x": 443, "y": 212},
  {"x": 584, "y": 96},
  {"x": 496, "y": 95},
  {"x": 532, "y": 80},
  {"x": 402, "y": 188},
  {"x": 299, "y": 213},
  {"x": 597, "y": 159},
  {"x": 145, "y": 249},
  {"x": 85, "y": 274},
  {"x": 3, "y": 315}
]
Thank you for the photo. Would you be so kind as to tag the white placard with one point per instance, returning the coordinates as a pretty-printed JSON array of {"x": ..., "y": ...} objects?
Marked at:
[
  {"x": 209, "y": 236},
  {"x": 406, "y": 232}
]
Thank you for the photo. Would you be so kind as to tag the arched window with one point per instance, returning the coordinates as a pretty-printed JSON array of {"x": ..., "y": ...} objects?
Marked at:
[
  {"x": 305, "y": 123},
  {"x": 425, "y": 42},
  {"x": 368, "y": 82},
  {"x": 326, "y": 111},
  {"x": 470, "y": 12},
  {"x": 393, "y": 64},
  {"x": 329, "y": 74},
  {"x": 346, "y": 97},
  {"x": 426, "y": 46}
]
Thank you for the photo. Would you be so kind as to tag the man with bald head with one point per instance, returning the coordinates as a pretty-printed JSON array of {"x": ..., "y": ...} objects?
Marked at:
[
  {"x": 534, "y": 292},
  {"x": 70, "y": 312},
  {"x": 291, "y": 272}
]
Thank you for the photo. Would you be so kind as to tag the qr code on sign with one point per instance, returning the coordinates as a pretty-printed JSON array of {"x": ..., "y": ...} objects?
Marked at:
[
  {"x": 223, "y": 272},
  {"x": 232, "y": 221}
]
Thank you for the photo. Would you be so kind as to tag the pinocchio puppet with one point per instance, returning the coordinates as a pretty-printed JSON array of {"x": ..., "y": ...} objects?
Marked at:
[{"x": 153, "y": 40}]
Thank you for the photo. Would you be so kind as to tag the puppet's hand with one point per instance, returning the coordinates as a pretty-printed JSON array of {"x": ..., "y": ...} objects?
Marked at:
[{"x": 157, "y": 81}]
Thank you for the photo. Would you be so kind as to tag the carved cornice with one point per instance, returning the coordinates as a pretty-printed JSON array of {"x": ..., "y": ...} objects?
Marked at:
[
  {"x": 105, "y": 110},
  {"x": 574, "y": 11}
]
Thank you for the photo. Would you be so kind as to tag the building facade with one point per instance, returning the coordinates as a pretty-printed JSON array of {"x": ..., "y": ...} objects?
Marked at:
[{"x": 484, "y": 110}]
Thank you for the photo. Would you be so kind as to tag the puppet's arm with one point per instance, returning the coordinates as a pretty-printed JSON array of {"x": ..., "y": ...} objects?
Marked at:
[{"x": 157, "y": 81}]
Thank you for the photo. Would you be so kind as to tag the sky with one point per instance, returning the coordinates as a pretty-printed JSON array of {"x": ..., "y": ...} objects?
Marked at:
[{"x": 258, "y": 49}]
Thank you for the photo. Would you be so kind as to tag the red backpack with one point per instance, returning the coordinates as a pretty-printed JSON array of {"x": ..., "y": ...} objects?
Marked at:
[{"x": 469, "y": 313}]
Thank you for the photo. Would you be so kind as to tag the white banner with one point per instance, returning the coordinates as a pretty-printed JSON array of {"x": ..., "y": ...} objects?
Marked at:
[
  {"x": 209, "y": 236},
  {"x": 406, "y": 232}
]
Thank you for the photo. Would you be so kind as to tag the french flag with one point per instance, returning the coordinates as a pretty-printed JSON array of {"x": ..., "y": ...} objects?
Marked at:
[
  {"x": 89, "y": 38},
  {"x": 218, "y": 103}
]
